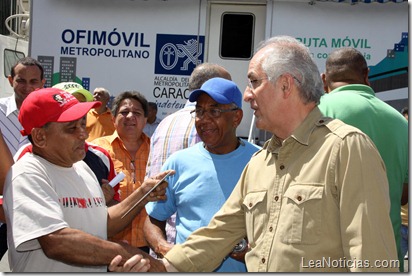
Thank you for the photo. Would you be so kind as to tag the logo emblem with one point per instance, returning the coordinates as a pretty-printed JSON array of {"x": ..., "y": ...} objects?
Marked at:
[{"x": 178, "y": 54}]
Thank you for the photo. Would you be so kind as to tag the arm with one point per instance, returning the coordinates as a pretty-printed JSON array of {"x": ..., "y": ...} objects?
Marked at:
[
  {"x": 5, "y": 164},
  {"x": 364, "y": 204},
  {"x": 405, "y": 199},
  {"x": 115, "y": 222},
  {"x": 6, "y": 161},
  {"x": 73, "y": 246},
  {"x": 155, "y": 234},
  {"x": 77, "y": 247}
]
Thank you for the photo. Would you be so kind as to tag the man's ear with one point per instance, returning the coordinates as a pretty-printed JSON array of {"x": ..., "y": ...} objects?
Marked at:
[
  {"x": 10, "y": 80},
  {"x": 237, "y": 119},
  {"x": 286, "y": 81},
  {"x": 325, "y": 85},
  {"x": 366, "y": 78},
  {"x": 39, "y": 137}
]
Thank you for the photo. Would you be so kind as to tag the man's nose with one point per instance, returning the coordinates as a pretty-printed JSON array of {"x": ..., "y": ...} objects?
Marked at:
[{"x": 248, "y": 94}]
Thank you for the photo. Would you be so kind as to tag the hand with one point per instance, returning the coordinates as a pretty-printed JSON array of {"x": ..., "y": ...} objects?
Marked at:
[
  {"x": 160, "y": 192},
  {"x": 108, "y": 190},
  {"x": 155, "y": 265},
  {"x": 163, "y": 248},
  {"x": 240, "y": 256},
  {"x": 135, "y": 264}
]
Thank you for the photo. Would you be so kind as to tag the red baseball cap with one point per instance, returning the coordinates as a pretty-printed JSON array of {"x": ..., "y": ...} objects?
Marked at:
[{"x": 51, "y": 105}]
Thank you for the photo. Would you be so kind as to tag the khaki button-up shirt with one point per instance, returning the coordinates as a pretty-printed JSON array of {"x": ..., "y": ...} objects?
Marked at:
[{"x": 317, "y": 201}]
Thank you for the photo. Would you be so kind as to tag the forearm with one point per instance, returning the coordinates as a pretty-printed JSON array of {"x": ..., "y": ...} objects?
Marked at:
[
  {"x": 6, "y": 161},
  {"x": 77, "y": 247},
  {"x": 155, "y": 234},
  {"x": 115, "y": 222},
  {"x": 2, "y": 215},
  {"x": 405, "y": 194}
]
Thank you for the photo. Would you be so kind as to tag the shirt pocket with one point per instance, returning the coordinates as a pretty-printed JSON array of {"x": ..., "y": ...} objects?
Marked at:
[
  {"x": 256, "y": 215},
  {"x": 300, "y": 220}
]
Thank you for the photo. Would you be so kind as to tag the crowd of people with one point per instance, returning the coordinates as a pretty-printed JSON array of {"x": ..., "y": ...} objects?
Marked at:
[{"x": 328, "y": 192}]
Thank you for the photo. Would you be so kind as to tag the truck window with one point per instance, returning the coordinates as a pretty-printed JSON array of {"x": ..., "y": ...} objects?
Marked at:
[
  {"x": 10, "y": 58},
  {"x": 236, "y": 36}
]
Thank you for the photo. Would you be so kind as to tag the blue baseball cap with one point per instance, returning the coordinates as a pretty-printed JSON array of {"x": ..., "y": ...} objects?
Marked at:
[{"x": 221, "y": 90}]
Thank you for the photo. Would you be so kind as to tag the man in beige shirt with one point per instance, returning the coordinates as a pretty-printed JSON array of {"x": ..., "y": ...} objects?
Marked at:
[{"x": 315, "y": 198}]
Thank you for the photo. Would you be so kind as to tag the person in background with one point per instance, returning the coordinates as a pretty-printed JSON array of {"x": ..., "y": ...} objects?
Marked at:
[
  {"x": 405, "y": 112},
  {"x": 100, "y": 120},
  {"x": 405, "y": 208},
  {"x": 197, "y": 192},
  {"x": 76, "y": 89},
  {"x": 177, "y": 131},
  {"x": 351, "y": 99},
  {"x": 25, "y": 77},
  {"x": 129, "y": 149},
  {"x": 55, "y": 210},
  {"x": 152, "y": 120},
  {"x": 309, "y": 194}
]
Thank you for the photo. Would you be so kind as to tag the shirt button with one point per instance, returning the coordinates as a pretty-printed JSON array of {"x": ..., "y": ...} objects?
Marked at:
[
  {"x": 250, "y": 204},
  {"x": 263, "y": 260},
  {"x": 282, "y": 167},
  {"x": 299, "y": 198},
  {"x": 321, "y": 121},
  {"x": 276, "y": 198},
  {"x": 270, "y": 229}
]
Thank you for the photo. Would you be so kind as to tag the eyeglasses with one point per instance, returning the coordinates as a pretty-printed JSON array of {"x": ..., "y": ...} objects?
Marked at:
[
  {"x": 214, "y": 113},
  {"x": 253, "y": 84},
  {"x": 296, "y": 79}
]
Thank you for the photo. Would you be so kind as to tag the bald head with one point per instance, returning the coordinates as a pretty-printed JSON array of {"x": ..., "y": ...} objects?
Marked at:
[
  {"x": 204, "y": 72},
  {"x": 345, "y": 66}
]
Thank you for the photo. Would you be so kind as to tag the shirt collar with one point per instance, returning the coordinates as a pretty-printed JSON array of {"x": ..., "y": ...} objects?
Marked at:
[
  {"x": 11, "y": 105},
  {"x": 302, "y": 133},
  {"x": 93, "y": 110},
  {"x": 113, "y": 137},
  {"x": 356, "y": 88}
]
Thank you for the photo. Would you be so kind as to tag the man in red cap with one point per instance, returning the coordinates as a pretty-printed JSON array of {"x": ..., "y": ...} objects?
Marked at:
[{"x": 56, "y": 214}]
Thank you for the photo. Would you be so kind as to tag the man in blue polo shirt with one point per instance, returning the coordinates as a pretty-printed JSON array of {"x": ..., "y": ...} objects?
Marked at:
[{"x": 207, "y": 172}]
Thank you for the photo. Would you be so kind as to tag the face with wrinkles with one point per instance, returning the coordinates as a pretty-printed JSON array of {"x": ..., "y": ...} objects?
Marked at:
[
  {"x": 218, "y": 134},
  {"x": 264, "y": 97},
  {"x": 62, "y": 144}
]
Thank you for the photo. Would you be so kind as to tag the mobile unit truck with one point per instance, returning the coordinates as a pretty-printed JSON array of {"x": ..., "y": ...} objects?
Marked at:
[{"x": 152, "y": 46}]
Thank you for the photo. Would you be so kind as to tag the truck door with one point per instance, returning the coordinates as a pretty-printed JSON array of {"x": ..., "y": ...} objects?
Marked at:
[{"x": 234, "y": 32}]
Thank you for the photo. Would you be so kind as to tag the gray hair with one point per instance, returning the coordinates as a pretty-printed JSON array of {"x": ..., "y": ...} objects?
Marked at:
[
  {"x": 204, "y": 72},
  {"x": 290, "y": 56}
]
